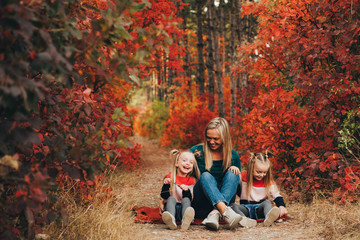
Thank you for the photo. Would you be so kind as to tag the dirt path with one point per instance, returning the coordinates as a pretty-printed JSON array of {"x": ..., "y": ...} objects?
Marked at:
[{"x": 156, "y": 164}]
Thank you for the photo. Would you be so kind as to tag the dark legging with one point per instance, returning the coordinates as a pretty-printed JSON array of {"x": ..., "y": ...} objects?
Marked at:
[
  {"x": 260, "y": 210},
  {"x": 177, "y": 209}
]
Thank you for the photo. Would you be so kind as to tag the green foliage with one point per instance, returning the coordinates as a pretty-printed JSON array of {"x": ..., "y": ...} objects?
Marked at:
[
  {"x": 350, "y": 134},
  {"x": 152, "y": 121}
]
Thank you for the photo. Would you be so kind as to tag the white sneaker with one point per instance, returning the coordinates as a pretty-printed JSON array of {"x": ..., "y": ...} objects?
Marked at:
[
  {"x": 169, "y": 220},
  {"x": 272, "y": 216},
  {"x": 247, "y": 222},
  {"x": 231, "y": 217},
  {"x": 212, "y": 220},
  {"x": 187, "y": 218}
]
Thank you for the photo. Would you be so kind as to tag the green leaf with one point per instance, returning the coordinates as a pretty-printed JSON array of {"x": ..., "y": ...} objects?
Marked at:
[
  {"x": 135, "y": 79},
  {"x": 137, "y": 7},
  {"x": 122, "y": 31}
]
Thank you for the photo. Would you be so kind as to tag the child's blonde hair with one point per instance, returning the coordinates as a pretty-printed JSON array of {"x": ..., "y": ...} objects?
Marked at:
[
  {"x": 175, "y": 155},
  {"x": 264, "y": 159},
  {"x": 222, "y": 127}
]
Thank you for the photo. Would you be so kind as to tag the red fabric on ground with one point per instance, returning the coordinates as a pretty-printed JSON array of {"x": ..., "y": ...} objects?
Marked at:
[{"x": 152, "y": 215}]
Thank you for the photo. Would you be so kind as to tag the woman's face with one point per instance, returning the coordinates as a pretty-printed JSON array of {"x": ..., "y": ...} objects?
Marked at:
[{"x": 213, "y": 139}]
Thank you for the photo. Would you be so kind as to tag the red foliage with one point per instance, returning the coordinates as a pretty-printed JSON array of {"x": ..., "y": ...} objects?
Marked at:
[
  {"x": 301, "y": 94},
  {"x": 188, "y": 118},
  {"x": 65, "y": 112}
]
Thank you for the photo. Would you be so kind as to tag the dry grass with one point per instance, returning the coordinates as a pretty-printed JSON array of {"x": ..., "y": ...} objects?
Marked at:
[
  {"x": 319, "y": 219},
  {"x": 100, "y": 220},
  {"x": 331, "y": 220}
]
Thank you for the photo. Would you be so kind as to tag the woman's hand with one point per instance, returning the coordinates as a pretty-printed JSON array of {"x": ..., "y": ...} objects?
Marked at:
[
  {"x": 184, "y": 187},
  {"x": 161, "y": 206},
  {"x": 234, "y": 170},
  {"x": 167, "y": 180},
  {"x": 283, "y": 211}
]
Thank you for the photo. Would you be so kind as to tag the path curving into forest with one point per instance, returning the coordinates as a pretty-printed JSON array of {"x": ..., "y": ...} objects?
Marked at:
[{"x": 146, "y": 192}]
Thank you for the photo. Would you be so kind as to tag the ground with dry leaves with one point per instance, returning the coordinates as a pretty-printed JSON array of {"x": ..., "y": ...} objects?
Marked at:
[{"x": 148, "y": 177}]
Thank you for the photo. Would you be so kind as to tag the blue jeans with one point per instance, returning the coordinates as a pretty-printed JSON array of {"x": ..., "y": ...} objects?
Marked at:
[{"x": 207, "y": 193}]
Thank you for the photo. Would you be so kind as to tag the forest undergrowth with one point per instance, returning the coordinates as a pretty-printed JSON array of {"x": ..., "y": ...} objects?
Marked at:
[{"x": 113, "y": 219}]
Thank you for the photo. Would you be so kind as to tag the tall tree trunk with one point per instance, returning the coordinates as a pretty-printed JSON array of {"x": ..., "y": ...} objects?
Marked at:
[
  {"x": 233, "y": 75},
  {"x": 168, "y": 98},
  {"x": 210, "y": 64},
  {"x": 164, "y": 85},
  {"x": 200, "y": 46},
  {"x": 185, "y": 42},
  {"x": 240, "y": 23},
  {"x": 159, "y": 82},
  {"x": 243, "y": 84},
  {"x": 222, "y": 31},
  {"x": 218, "y": 72}
]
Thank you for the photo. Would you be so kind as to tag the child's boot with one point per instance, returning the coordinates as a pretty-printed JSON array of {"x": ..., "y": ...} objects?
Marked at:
[
  {"x": 231, "y": 217},
  {"x": 247, "y": 222},
  {"x": 212, "y": 220},
  {"x": 271, "y": 216},
  {"x": 187, "y": 218},
  {"x": 169, "y": 220}
]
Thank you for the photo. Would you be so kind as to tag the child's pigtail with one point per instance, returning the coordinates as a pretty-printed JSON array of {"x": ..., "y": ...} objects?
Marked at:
[
  {"x": 174, "y": 155},
  {"x": 250, "y": 171}
]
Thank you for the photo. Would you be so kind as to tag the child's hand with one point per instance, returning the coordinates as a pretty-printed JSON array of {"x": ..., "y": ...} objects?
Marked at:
[
  {"x": 234, "y": 170},
  {"x": 167, "y": 180},
  {"x": 184, "y": 187},
  {"x": 283, "y": 211}
]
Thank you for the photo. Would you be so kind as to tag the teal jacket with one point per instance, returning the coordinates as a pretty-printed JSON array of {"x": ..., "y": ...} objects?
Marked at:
[{"x": 216, "y": 169}]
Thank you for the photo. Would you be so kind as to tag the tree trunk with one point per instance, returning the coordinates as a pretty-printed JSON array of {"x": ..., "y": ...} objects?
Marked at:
[
  {"x": 218, "y": 72},
  {"x": 240, "y": 23},
  {"x": 222, "y": 31},
  {"x": 233, "y": 75},
  {"x": 164, "y": 84},
  {"x": 200, "y": 46},
  {"x": 185, "y": 42},
  {"x": 210, "y": 64}
]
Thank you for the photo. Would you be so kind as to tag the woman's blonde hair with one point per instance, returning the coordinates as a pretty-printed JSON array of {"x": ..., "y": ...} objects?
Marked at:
[
  {"x": 175, "y": 156},
  {"x": 222, "y": 127},
  {"x": 264, "y": 159}
]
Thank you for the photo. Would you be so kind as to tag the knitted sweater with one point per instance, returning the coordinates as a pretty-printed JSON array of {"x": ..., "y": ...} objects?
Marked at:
[
  {"x": 178, "y": 193},
  {"x": 258, "y": 192},
  {"x": 217, "y": 168}
]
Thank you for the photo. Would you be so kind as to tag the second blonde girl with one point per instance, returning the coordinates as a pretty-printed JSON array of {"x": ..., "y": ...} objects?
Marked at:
[{"x": 257, "y": 189}]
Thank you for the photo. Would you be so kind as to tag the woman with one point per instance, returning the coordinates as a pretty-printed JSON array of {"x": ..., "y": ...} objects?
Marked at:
[{"x": 220, "y": 168}]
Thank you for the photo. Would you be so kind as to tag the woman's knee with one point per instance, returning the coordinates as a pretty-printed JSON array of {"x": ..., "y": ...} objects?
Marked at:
[
  {"x": 205, "y": 176},
  {"x": 232, "y": 176}
]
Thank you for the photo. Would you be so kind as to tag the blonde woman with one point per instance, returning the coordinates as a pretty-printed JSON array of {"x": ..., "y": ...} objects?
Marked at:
[{"x": 219, "y": 165}]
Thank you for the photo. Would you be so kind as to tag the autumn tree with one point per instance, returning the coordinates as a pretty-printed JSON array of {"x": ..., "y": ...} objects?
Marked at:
[
  {"x": 303, "y": 86},
  {"x": 66, "y": 71}
]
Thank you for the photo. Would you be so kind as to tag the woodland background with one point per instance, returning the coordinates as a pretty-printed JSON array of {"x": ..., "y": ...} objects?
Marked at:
[{"x": 76, "y": 74}]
